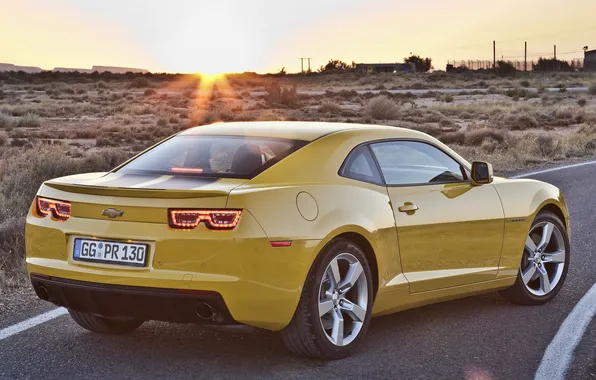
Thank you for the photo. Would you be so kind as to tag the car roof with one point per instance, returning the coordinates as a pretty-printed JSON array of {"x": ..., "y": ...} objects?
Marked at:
[{"x": 295, "y": 130}]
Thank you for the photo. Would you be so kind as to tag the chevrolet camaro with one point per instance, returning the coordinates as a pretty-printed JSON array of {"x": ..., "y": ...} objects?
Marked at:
[{"x": 310, "y": 229}]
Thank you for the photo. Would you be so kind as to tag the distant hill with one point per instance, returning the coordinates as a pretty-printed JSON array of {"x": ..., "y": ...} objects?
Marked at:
[
  {"x": 27, "y": 69},
  {"x": 100, "y": 69}
]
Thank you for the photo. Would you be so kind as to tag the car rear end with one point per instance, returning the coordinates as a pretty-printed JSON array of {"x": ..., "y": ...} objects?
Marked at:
[{"x": 154, "y": 240}]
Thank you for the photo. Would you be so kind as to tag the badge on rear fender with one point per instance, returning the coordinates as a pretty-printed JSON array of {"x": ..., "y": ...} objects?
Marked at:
[{"x": 112, "y": 213}]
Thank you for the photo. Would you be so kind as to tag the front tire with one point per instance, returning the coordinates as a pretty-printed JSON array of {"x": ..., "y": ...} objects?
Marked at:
[
  {"x": 334, "y": 312},
  {"x": 104, "y": 325},
  {"x": 544, "y": 263}
]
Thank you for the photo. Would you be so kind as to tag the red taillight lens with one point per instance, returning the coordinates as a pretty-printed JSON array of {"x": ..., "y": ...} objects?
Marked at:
[
  {"x": 214, "y": 219},
  {"x": 59, "y": 209}
]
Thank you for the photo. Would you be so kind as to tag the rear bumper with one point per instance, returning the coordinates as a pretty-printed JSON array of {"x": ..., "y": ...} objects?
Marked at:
[
  {"x": 119, "y": 301},
  {"x": 260, "y": 285}
]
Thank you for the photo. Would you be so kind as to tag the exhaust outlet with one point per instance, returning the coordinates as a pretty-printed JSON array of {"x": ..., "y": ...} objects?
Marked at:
[
  {"x": 204, "y": 311},
  {"x": 43, "y": 293}
]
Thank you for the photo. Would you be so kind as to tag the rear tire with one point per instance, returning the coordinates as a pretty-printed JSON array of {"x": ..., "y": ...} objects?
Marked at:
[
  {"x": 530, "y": 290},
  {"x": 104, "y": 325},
  {"x": 324, "y": 306}
]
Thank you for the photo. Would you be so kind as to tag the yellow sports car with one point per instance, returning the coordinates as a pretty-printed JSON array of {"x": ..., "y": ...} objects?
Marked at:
[{"x": 310, "y": 229}]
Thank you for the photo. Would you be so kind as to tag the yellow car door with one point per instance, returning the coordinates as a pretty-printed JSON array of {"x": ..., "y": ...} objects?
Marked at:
[{"x": 450, "y": 232}]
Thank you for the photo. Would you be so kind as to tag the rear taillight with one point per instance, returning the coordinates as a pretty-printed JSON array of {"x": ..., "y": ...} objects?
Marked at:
[
  {"x": 214, "y": 219},
  {"x": 59, "y": 209}
]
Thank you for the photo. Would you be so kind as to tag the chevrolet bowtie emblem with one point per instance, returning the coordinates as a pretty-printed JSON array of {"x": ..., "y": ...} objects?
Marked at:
[{"x": 112, "y": 213}]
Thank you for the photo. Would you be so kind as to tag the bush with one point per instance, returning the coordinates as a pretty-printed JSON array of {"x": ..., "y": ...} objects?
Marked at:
[
  {"x": 546, "y": 145},
  {"x": 420, "y": 64},
  {"x": 592, "y": 89},
  {"x": 285, "y": 96},
  {"x": 582, "y": 102},
  {"x": 7, "y": 121},
  {"x": 524, "y": 83},
  {"x": 447, "y": 98},
  {"x": 329, "y": 107},
  {"x": 505, "y": 69},
  {"x": 150, "y": 92},
  {"x": 3, "y": 140},
  {"x": 383, "y": 108},
  {"x": 29, "y": 120},
  {"x": 139, "y": 82}
]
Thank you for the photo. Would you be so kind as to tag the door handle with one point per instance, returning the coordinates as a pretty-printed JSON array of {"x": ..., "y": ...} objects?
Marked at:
[{"x": 408, "y": 207}]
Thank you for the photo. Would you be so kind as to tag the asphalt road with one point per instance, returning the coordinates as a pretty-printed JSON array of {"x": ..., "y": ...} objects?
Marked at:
[
  {"x": 481, "y": 337},
  {"x": 322, "y": 92}
]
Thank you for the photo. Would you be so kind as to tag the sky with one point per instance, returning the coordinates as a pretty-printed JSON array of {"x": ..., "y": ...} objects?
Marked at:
[{"x": 218, "y": 36}]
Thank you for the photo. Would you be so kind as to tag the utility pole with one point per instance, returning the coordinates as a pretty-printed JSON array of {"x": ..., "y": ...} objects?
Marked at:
[
  {"x": 302, "y": 64},
  {"x": 494, "y": 55},
  {"x": 526, "y": 56},
  {"x": 556, "y": 63},
  {"x": 555, "y": 52}
]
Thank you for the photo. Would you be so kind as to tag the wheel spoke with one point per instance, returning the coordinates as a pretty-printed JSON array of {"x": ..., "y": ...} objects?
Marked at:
[
  {"x": 337, "y": 331},
  {"x": 333, "y": 274},
  {"x": 325, "y": 307},
  {"x": 355, "y": 312},
  {"x": 528, "y": 274},
  {"x": 353, "y": 275},
  {"x": 544, "y": 280},
  {"x": 530, "y": 245},
  {"x": 547, "y": 232},
  {"x": 554, "y": 257}
]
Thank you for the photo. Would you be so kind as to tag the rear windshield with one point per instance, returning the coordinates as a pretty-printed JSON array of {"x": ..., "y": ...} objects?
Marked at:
[{"x": 213, "y": 156}]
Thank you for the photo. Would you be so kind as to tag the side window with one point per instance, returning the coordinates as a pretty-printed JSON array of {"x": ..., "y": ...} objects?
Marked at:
[
  {"x": 414, "y": 163},
  {"x": 359, "y": 165}
]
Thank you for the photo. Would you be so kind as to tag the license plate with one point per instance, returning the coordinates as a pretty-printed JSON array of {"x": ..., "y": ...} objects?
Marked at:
[{"x": 110, "y": 252}]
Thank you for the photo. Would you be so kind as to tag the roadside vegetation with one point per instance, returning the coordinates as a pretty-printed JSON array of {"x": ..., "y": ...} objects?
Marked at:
[{"x": 55, "y": 124}]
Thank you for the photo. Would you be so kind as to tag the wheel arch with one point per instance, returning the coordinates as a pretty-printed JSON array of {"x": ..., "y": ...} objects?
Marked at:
[
  {"x": 369, "y": 252},
  {"x": 555, "y": 209}
]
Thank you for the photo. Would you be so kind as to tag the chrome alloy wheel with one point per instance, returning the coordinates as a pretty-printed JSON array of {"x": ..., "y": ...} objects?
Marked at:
[
  {"x": 544, "y": 258},
  {"x": 343, "y": 299}
]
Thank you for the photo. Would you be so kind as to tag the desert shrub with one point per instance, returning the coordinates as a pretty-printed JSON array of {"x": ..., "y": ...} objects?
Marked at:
[
  {"x": 505, "y": 69},
  {"x": 447, "y": 98},
  {"x": 285, "y": 96},
  {"x": 420, "y": 64},
  {"x": 162, "y": 121},
  {"x": 329, "y": 107},
  {"x": 453, "y": 138},
  {"x": 547, "y": 145},
  {"x": 383, "y": 108},
  {"x": 29, "y": 120},
  {"x": 474, "y": 137},
  {"x": 3, "y": 139},
  {"x": 150, "y": 92},
  {"x": 139, "y": 82},
  {"x": 525, "y": 83},
  {"x": 582, "y": 102},
  {"x": 592, "y": 89},
  {"x": 7, "y": 121}
]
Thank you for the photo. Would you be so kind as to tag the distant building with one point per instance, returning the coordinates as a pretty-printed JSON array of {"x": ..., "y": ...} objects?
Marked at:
[
  {"x": 590, "y": 60},
  {"x": 381, "y": 67}
]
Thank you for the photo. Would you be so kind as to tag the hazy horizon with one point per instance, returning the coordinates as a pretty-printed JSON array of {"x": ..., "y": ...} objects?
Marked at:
[{"x": 264, "y": 35}]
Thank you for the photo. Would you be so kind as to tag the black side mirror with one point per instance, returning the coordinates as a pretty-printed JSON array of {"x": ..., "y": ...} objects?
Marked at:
[{"x": 482, "y": 173}]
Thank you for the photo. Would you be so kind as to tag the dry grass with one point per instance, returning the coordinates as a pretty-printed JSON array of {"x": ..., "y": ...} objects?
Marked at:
[
  {"x": 76, "y": 124},
  {"x": 383, "y": 108}
]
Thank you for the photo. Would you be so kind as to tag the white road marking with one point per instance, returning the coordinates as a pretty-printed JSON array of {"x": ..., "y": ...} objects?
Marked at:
[
  {"x": 31, "y": 322},
  {"x": 553, "y": 169},
  {"x": 559, "y": 353}
]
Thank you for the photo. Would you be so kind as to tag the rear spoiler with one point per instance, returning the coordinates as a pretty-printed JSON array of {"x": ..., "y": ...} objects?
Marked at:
[{"x": 136, "y": 192}]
